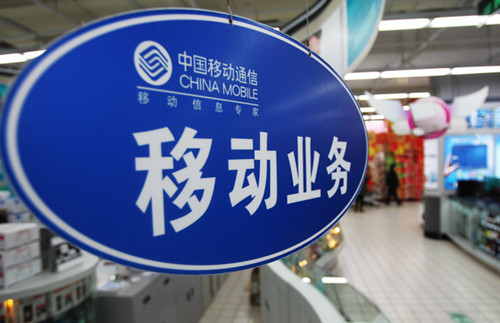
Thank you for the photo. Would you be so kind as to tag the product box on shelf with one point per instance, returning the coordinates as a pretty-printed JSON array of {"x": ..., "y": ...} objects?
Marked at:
[
  {"x": 64, "y": 255},
  {"x": 15, "y": 256},
  {"x": 11, "y": 204},
  {"x": 12, "y": 275},
  {"x": 79, "y": 291},
  {"x": 16, "y": 234},
  {"x": 60, "y": 300},
  {"x": 19, "y": 217}
]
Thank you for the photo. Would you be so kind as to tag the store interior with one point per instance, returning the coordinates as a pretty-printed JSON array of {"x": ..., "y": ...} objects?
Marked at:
[{"x": 434, "y": 258}]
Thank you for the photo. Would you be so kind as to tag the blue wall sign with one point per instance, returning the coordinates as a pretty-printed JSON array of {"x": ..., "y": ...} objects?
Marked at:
[{"x": 174, "y": 141}]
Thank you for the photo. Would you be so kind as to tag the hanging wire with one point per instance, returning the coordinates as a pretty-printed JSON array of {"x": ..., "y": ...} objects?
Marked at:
[
  {"x": 307, "y": 25},
  {"x": 230, "y": 13}
]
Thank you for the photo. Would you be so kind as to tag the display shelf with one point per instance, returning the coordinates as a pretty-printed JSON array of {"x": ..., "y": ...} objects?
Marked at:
[
  {"x": 474, "y": 228},
  {"x": 475, "y": 252},
  {"x": 406, "y": 152},
  {"x": 490, "y": 226},
  {"x": 49, "y": 281}
]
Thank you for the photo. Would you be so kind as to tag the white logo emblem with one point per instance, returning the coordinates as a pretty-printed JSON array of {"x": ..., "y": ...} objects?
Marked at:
[{"x": 153, "y": 63}]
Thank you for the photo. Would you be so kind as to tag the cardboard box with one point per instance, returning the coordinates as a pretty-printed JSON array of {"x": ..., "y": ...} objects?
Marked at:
[
  {"x": 10, "y": 276},
  {"x": 12, "y": 257},
  {"x": 17, "y": 234}
]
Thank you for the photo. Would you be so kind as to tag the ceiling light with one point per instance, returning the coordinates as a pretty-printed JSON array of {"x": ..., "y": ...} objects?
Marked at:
[
  {"x": 33, "y": 54},
  {"x": 391, "y": 96},
  {"x": 418, "y": 95},
  {"x": 475, "y": 70},
  {"x": 493, "y": 20},
  {"x": 334, "y": 280},
  {"x": 367, "y": 110},
  {"x": 406, "y": 107},
  {"x": 12, "y": 58},
  {"x": 415, "y": 73},
  {"x": 403, "y": 24},
  {"x": 377, "y": 117},
  {"x": 456, "y": 21},
  {"x": 362, "y": 76},
  {"x": 439, "y": 22},
  {"x": 306, "y": 280},
  {"x": 366, "y": 117}
]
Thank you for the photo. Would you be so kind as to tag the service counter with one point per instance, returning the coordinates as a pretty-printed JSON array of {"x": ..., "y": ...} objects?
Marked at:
[{"x": 299, "y": 288}]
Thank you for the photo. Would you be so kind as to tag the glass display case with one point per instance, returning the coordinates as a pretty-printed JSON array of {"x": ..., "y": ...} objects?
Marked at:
[
  {"x": 349, "y": 302},
  {"x": 476, "y": 227}
]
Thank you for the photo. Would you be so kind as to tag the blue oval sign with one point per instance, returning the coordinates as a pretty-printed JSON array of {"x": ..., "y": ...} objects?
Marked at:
[{"x": 174, "y": 141}]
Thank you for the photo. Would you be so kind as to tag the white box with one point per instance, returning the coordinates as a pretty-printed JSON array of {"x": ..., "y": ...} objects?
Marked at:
[
  {"x": 19, "y": 217},
  {"x": 20, "y": 272},
  {"x": 12, "y": 257},
  {"x": 16, "y": 234}
]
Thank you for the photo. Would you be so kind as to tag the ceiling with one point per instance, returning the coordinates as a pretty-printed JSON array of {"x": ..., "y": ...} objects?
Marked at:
[
  {"x": 427, "y": 48},
  {"x": 32, "y": 24}
]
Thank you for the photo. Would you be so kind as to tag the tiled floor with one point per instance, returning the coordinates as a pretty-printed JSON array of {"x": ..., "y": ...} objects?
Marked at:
[
  {"x": 232, "y": 303},
  {"x": 411, "y": 278}
]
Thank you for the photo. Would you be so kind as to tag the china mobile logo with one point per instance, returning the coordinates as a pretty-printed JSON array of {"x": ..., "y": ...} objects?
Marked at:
[{"x": 152, "y": 62}]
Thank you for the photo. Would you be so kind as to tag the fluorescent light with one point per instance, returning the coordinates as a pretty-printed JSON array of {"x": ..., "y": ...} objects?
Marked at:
[
  {"x": 403, "y": 24},
  {"x": 334, "y": 280},
  {"x": 391, "y": 96},
  {"x": 425, "y": 72},
  {"x": 12, "y": 58},
  {"x": 367, "y": 110},
  {"x": 19, "y": 58},
  {"x": 377, "y": 117},
  {"x": 406, "y": 107},
  {"x": 493, "y": 20},
  {"x": 33, "y": 54},
  {"x": 306, "y": 280},
  {"x": 362, "y": 76},
  {"x": 418, "y": 95},
  {"x": 439, "y": 22},
  {"x": 475, "y": 70},
  {"x": 457, "y": 21},
  {"x": 394, "y": 96},
  {"x": 366, "y": 117}
]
